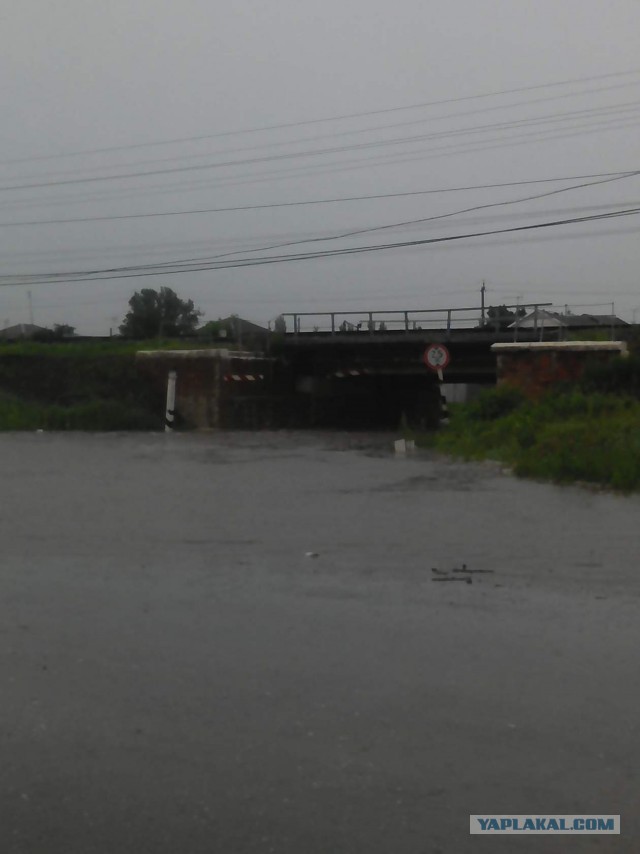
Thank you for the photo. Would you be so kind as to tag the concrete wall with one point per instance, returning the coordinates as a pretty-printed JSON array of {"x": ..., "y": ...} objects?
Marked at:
[
  {"x": 219, "y": 388},
  {"x": 534, "y": 367},
  {"x": 215, "y": 388}
]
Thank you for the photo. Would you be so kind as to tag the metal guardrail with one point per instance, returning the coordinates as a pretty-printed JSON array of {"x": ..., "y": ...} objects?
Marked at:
[{"x": 376, "y": 322}]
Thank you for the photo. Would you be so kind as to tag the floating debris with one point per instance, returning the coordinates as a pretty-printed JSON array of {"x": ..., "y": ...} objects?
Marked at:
[
  {"x": 470, "y": 571},
  {"x": 464, "y": 568}
]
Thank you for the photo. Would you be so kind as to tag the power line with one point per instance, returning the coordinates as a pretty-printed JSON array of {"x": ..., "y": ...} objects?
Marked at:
[
  {"x": 397, "y": 225},
  {"x": 307, "y": 202},
  {"x": 342, "y": 117},
  {"x": 162, "y": 250},
  {"x": 351, "y": 165},
  {"x": 439, "y": 216},
  {"x": 319, "y": 152},
  {"x": 359, "y": 131},
  {"x": 150, "y": 270},
  {"x": 355, "y": 233},
  {"x": 458, "y": 149},
  {"x": 336, "y": 166}
]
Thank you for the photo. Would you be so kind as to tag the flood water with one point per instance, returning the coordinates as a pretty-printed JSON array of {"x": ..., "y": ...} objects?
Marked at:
[{"x": 237, "y": 643}]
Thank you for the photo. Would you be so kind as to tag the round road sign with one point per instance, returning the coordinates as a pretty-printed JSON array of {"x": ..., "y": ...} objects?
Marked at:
[{"x": 436, "y": 357}]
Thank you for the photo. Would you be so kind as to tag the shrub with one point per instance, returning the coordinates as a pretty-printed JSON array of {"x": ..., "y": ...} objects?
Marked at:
[
  {"x": 496, "y": 403},
  {"x": 567, "y": 435},
  {"x": 619, "y": 376}
]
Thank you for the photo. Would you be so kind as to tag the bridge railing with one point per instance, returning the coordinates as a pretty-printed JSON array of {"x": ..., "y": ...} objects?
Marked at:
[{"x": 379, "y": 322}]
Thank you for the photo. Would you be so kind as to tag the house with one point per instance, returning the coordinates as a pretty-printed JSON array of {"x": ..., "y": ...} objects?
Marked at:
[
  {"x": 235, "y": 330},
  {"x": 542, "y": 320},
  {"x": 23, "y": 331}
]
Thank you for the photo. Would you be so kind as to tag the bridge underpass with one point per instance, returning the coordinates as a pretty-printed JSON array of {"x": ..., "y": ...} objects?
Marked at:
[
  {"x": 343, "y": 377},
  {"x": 377, "y": 383},
  {"x": 367, "y": 369}
]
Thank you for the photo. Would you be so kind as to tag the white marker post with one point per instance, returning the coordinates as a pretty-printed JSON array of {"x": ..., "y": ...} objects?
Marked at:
[
  {"x": 444, "y": 409},
  {"x": 170, "y": 413}
]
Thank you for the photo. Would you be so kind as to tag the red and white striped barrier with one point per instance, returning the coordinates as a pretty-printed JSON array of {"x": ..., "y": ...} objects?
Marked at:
[{"x": 243, "y": 378}]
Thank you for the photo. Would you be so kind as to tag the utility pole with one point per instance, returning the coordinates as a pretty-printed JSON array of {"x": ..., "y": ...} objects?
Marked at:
[
  {"x": 30, "y": 307},
  {"x": 613, "y": 320},
  {"x": 482, "y": 290}
]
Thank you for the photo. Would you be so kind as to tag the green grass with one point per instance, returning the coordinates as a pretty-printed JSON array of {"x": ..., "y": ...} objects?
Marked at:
[
  {"x": 95, "y": 386},
  {"x": 82, "y": 385},
  {"x": 96, "y": 415},
  {"x": 567, "y": 436}
]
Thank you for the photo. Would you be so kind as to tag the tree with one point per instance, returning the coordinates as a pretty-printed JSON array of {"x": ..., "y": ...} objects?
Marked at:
[
  {"x": 158, "y": 314},
  {"x": 501, "y": 318},
  {"x": 280, "y": 325}
]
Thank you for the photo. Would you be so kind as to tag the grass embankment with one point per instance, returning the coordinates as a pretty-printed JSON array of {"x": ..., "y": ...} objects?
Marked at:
[
  {"x": 92, "y": 386},
  {"x": 96, "y": 415},
  {"x": 590, "y": 434}
]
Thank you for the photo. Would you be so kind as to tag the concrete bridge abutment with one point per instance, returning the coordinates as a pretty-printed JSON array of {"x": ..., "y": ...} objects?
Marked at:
[{"x": 534, "y": 367}]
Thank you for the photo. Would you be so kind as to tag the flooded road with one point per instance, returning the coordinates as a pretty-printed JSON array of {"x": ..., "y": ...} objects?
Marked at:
[{"x": 237, "y": 643}]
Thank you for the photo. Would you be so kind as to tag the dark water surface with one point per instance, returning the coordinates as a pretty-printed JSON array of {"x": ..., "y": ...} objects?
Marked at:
[{"x": 179, "y": 677}]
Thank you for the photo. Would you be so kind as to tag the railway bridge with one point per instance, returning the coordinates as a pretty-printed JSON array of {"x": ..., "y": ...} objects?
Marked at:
[
  {"x": 358, "y": 370},
  {"x": 363, "y": 368}
]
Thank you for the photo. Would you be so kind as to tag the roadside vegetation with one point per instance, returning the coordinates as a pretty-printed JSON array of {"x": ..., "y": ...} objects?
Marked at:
[
  {"x": 94, "y": 415},
  {"x": 75, "y": 387},
  {"x": 589, "y": 433},
  {"x": 57, "y": 380}
]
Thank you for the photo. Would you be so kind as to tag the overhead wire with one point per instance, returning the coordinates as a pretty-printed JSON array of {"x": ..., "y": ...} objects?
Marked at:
[
  {"x": 507, "y": 139},
  {"x": 310, "y": 202},
  {"x": 337, "y": 166},
  {"x": 401, "y": 225},
  {"x": 340, "y": 117},
  {"x": 386, "y": 226},
  {"x": 448, "y": 215},
  {"x": 319, "y": 152},
  {"x": 392, "y": 126},
  {"x": 163, "y": 251},
  {"x": 341, "y": 166},
  {"x": 150, "y": 270}
]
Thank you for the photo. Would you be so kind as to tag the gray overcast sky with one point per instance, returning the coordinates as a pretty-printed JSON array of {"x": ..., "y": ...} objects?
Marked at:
[{"x": 133, "y": 76}]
